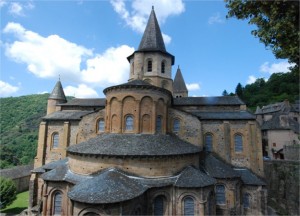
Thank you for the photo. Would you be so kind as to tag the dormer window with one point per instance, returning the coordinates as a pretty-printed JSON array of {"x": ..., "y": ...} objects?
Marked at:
[
  {"x": 163, "y": 65},
  {"x": 149, "y": 66}
]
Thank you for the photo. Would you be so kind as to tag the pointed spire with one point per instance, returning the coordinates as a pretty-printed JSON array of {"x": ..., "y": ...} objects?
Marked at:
[
  {"x": 58, "y": 92},
  {"x": 179, "y": 84},
  {"x": 152, "y": 39}
]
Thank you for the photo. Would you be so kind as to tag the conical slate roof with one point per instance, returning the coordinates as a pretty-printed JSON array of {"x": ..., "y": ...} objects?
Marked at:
[
  {"x": 152, "y": 39},
  {"x": 58, "y": 92},
  {"x": 179, "y": 84}
]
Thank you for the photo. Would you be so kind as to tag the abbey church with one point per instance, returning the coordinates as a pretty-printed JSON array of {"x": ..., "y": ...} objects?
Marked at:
[{"x": 148, "y": 148}]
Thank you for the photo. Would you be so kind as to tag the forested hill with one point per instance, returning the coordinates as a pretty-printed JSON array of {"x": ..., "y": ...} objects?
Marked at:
[
  {"x": 280, "y": 86},
  {"x": 20, "y": 119}
]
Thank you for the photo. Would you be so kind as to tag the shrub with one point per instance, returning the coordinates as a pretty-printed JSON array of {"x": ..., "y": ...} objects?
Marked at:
[{"x": 8, "y": 192}]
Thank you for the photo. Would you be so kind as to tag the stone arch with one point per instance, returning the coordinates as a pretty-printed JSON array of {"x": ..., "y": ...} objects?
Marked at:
[
  {"x": 166, "y": 201},
  {"x": 129, "y": 106},
  {"x": 114, "y": 106},
  {"x": 91, "y": 211},
  {"x": 146, "y": 124},
  {"x": 115, "y": 124},
  {"x": 53, "y": 202}
]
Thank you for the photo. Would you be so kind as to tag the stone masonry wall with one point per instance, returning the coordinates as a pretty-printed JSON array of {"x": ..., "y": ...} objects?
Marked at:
[{"x": 283, "y": 186}]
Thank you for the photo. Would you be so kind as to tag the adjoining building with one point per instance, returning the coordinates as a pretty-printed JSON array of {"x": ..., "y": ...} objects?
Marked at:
[
  {"x": 280, "y": 130},
  {"x": 147, "y": 148}
]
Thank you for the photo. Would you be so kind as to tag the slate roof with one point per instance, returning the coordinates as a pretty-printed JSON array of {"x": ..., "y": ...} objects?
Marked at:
[
  {"x": 16, "y": 172},
  {"x": 66, "y": 115},
  {"x": 152, "y": 39},
  {"x": 110, "y": 186},
  {"x": 287, "y": 123},
  {"x": 217, "y": 168},
  {"x": 179, "y": 84},
  {"x": 114, "y": 185},
  {"x": 249, "y": 178},
  {"x": 86, "y": 102},
  {"x": 212, "y": 101},
  {"x": 138, "y": 84},
  {"x": 134, "y": 145},
  {"x": 191, "y": 177},
  {"x": 226, "y": 115},
  {"x": 62, "y": 173},
  {"x": 58, "y": 92},
  {"x": 51, "y": 165}
]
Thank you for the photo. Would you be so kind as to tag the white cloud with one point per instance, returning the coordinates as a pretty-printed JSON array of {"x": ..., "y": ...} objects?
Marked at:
[
  {"x": 251, "y": 79},
  {"x": 193, "y": 86},
  {"x": 281, "y": 67},
  {"x": 16, "y": 8},
  {"x": 216, "y": 18},
  {"x": 6, "y": 89},
  {"x": 43, "y": 92},
  {"x": 138, "y": 16},
  {"x": 82, "y": 91},
  {"x": 111, "y": 67},
  {"x": 48, "y": 56},
  {"x": 53, "y": 56}
]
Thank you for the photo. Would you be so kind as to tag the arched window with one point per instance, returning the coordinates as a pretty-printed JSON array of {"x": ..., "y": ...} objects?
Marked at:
[
  {"x": 176, "y": 125},
  {"x": 159, "y": 205},
  {"x": 57, "y": 203},
  {"x": 149, "y": 66},
  {"x": 208, "y": 143},
  {"x": 188, "y": 206},
  {"x": 101, "y": 125},
  {"x": 55, "y": 140},
  {"x": 158, "y": 124},
  {"x": 163, "y": 67},
  {"x": 238, "y": 143},
  {"x": 91, "y": 214},
  {"x": 129, "y": 123},
  {"x": 246, "y": 200},
  {"x": 220, "y": 194}
]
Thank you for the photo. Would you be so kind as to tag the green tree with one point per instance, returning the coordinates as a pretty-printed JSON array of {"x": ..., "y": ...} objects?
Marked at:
[
  {"x": 277, "y": 24},
  {"x": 225, "y": 93},
  {"x": 239, "y": 90},
  {"x": 8, "y": 192}
]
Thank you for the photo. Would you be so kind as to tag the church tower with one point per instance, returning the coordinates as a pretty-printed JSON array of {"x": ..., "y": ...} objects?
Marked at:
[
  {"x": 151, "y": 62},
  {"x": 179, "y": 87},
  {"x": 56, "y": 97}
]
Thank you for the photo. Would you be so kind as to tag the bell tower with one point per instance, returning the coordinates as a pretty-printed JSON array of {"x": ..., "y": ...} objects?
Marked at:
[{"x": 151, "y": 62}]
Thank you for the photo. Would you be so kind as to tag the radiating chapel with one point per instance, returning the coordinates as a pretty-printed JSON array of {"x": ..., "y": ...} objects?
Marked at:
[{"x": 148, "y": 148}]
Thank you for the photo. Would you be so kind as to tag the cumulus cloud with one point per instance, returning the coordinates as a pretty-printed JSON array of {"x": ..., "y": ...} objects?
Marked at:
[
  {"x": 281, "y": 67},
  {"x": 2, "y": 3},
  {"x": 193, "y": 86},
  {"x": 251, "y": 79},
  {"x": 53, "y": 56},
  {"x": 6, "y": 89},
  {"x": 215, "y": 19},
  {"x": 140, "y": 9},
  {"x": 82, "y": 91}
]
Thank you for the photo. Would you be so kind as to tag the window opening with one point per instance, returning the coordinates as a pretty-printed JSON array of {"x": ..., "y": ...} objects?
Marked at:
[
  {"x": 220, "y": 194},
  {"x": 238, "y": 141},
  {"x": 129, "y": 123},
  {"x": 149, "y": 66},
  {"x": 188, "y": 209}
]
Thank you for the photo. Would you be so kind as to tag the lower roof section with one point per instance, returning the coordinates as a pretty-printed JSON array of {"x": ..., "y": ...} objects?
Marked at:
[{"x": 134, "y": 145}]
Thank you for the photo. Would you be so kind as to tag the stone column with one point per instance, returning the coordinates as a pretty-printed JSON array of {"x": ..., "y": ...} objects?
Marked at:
[
  {"x": 227, "y": 141},
  {"x": 137, "y": 125},
  {"x": 66, "y": 139},
  {"x": 42, "y": 144}
]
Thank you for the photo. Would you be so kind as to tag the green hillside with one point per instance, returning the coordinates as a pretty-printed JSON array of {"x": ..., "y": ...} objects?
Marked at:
[{"x": 20, "y": 119}]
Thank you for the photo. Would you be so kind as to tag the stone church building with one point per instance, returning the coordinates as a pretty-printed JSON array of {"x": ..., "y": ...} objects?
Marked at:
[{"x": 147, "y": 148}]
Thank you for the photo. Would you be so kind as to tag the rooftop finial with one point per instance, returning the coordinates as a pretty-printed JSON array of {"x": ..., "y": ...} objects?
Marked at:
[
  {"x": 178, "y": 67},
  {"x": 152, "y": 7},
  {"x": 58, "y": 77}
]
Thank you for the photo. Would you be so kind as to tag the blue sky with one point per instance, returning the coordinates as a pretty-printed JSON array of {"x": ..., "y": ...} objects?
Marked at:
[{"x": 86, "y": 43}]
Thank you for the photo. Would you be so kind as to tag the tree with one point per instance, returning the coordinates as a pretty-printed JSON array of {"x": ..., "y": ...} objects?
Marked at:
[
  {"x": 225, "y": 93},
  {"x": 8, "y": 192},
  {"x": 277, "y": 24},
  {"x": 239, "y": 90}
]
